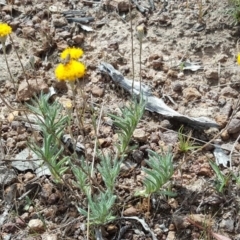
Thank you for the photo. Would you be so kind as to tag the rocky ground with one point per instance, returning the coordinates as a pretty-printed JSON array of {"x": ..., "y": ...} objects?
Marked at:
[{"x": 188, "y": 59}]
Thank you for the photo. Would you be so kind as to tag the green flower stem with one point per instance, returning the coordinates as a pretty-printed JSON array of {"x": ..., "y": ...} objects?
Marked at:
[
  {"x": 140, "y": 30},
  {"x": 140, "y": 65},
  {"x": 131, "y": 29},
  {"x": 79, "y": 118},
  {"x": 15, "y": 49},
  {"x": 5, "y": 56},
  {"x": 84, "y": 104},
  {"x": 69, "y": 113}
]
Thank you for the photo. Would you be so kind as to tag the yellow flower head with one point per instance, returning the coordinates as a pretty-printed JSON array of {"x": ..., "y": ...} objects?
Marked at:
[
  {"x": 72, "y": 53},
  {"x": 5, "y": 30},
  {"x": 238, "y": 59},
  {"x": 70, "y": 71}
]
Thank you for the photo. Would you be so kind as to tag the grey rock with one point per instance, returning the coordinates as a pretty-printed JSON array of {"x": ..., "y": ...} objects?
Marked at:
[
  {"x": 97, "y": 91},
  {"x": 154, "y": 137},
  {"x": 234, "y": 126},
  {"x": 127, "y": 165},
  {"x": 191, "y": 93},
  {"x": 221, "y": 102},
  {"x": 229, "y": 92},
  {"x": 140, "y": 135},
  {"x": 36, "y": 226},
  {"x": 202, "y": 111},
  {"x": 165, "y": 124},
  {"x": 65, "y": 34},
  {"x": 58, "y": 21},
  {"x": 177, "y": 87},
  {"x": 211, "y": 74},
  {"x": 78, "y": 39},
  {"x": 169, "y": 137},
  {"x": 28, "y": 160},
  {"x": 138, "y": 155},
  {"x": 152, "y": 126},
  {"x": 227, "y": 224},
  {"x": 227, "y": 109},
  {"x": 7, "y": 176}
]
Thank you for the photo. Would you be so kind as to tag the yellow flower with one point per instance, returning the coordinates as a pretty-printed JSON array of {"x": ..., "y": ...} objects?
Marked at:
[
  {"x": 5, "y": 30},
  {"x": 238, "y": 58},
  {"x": 72, "y": 53},
  {"x": 70, "y": 71}
]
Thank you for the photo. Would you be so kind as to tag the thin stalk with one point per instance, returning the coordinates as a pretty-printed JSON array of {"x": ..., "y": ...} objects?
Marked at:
[
  {"x": 69, "y": 112},
  {"x": 81, "y": 114},
  {"x": 84, "y": 105},
  {"x": 140, "y": 65},
  {"x": 15, "y": 49},
  {"x": 140, "y": 31},
  {"x": 149, "y": 202},
  {"x": 93, "y": 162},
  {"x": 131, "y": 29},
  {"x": 200, "y": 11},
  {"x": 79, "y": 119},
  {"x": 5, "y": 56}
]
